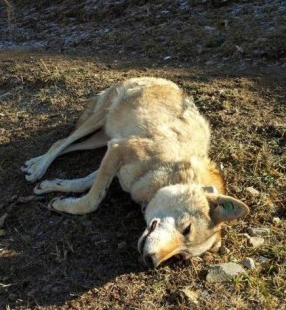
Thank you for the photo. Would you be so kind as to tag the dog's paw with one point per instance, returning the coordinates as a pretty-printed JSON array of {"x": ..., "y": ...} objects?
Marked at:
[
  {"x": 44, "y": 187},
  {"x": 67, "y": 205},
  {"x": 34, "y": 168},
  {"x": 57, "y": 204},
  {"x": 72, "y": 205}
]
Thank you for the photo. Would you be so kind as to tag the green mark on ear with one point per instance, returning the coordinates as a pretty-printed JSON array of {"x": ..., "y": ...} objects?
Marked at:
[{"x": 228, "y": 206}]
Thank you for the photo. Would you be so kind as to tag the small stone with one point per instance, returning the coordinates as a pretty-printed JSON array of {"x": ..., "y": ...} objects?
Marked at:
[
  {"x": 192, "y": 296},
  {"x": 122, "y": 245},
  {"x": 224, "y": 272},
  {"x": 224, "y": 250},
  {"x": 252, "y": 191},
  {"x": 262, "y": 259},
  {"x": 276, "y": 220},
  {"x": 2, "y": 232},
  {"x": 248, "y": 263},
  {"x": 258, "y": 232},
  {"x": 12, "y": 297},
  {"x": 256, "y": 242}
]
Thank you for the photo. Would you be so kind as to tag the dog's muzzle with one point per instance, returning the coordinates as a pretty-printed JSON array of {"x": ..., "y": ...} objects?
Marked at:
[{"x": 148, "y": 258}]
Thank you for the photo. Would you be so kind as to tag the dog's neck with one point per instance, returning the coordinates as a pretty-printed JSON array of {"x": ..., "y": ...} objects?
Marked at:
[{"x": 196, "y": 171}]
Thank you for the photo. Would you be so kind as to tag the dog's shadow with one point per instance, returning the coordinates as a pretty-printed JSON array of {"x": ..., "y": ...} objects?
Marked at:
[{"x": 49, "y": 258}]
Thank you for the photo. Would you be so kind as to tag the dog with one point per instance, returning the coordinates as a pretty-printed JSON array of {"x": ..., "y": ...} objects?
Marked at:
[{"x": 157, "y": 146}]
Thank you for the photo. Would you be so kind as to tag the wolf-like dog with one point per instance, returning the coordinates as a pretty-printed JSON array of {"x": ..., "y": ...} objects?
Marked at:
[{"x": 157, "y": 145}]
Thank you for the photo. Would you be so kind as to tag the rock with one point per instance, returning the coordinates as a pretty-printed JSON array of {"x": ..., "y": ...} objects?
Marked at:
[
  {"x": 262, "y": 259},
  {"x": 224, "y": 250},
  {"x": 122, "y": 245},
  {"x": 256, "y": 242},
  {"x": 2, "y": 219},
  {"x": 223, "y": 272},
  {"x": 2, "y": 232},
  {"x": 276, "y": 220},
  {"x": 258, "y": 232},
  {"x": 248, "y": 263},
  {"x": 252, "y": 191},
  {"x": 188, "y": 293}
]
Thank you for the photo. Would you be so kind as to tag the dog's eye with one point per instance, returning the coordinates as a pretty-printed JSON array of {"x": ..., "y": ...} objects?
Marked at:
[{"x": 186, "y": 230}]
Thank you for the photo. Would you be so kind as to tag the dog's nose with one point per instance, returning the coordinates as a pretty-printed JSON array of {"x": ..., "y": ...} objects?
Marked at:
[
  {"x": 153, "y": 226},
  {"x": 149, "y": 260}
]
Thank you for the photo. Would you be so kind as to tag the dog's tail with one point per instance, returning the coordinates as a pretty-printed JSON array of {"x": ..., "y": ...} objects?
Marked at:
[{"x": 97, "y": 107}]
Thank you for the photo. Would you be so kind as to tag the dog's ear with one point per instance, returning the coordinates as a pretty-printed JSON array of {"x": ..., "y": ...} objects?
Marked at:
[{"x": 225, "y": 208}]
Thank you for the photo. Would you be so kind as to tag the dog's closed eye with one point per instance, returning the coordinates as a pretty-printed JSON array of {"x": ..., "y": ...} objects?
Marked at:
[{"x": 186, "y": 230}]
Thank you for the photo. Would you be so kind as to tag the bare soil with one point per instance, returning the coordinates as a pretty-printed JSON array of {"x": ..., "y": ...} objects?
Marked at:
[{"x": 230, "y": 55}]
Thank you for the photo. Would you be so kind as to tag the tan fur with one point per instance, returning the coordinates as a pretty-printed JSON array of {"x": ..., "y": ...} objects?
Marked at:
[{"x": 158, "y": 147}]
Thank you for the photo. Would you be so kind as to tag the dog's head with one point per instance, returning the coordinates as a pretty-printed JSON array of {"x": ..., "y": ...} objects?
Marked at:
[{"x": 185, "y": 220}]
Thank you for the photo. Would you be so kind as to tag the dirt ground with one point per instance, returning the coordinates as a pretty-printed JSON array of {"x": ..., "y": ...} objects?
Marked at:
[{"x": 237, "y": 77}]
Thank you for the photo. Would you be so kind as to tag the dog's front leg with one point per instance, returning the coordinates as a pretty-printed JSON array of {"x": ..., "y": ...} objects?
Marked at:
[
  {"x": 106, "y": 172},
  {"x": 70, "y": 186}
]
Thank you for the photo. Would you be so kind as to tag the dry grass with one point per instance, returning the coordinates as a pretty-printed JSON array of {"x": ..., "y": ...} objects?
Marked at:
[{"x": 10, "y": 15}]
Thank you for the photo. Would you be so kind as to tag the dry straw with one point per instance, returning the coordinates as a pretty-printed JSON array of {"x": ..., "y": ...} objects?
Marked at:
[{"x": 10, "y": 14}]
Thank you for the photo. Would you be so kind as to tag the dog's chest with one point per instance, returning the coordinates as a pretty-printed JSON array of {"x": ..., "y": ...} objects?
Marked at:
[{"x": 129, "y": 174}]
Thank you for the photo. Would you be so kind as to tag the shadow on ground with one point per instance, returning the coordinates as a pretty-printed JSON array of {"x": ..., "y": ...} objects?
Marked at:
[{"x": 49, "y": 258}]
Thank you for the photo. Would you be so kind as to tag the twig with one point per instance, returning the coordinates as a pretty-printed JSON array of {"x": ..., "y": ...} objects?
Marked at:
[{"x": 10, "y": 14}]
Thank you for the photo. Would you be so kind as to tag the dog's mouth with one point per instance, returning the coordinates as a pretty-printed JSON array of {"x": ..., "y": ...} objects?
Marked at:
[
  {"x": 141, "y": 245},
  {"x": 148, "y": 231},
  {"x": 150, "y": 259}
]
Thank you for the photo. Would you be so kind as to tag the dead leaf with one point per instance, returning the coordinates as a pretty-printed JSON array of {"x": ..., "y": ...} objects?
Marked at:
[
  {"x": 190, "y": 294},
  {"x": 2, "y": 219},
  {"x": 25, "y": 199}
]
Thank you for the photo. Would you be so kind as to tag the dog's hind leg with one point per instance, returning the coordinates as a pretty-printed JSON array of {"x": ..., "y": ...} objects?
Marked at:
[
  {"x": 97, "y": 140},
  {"x": 80, "y": 185},
  {"x": 36, "y": 167},
  {"x": 70, "y": 186}
]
